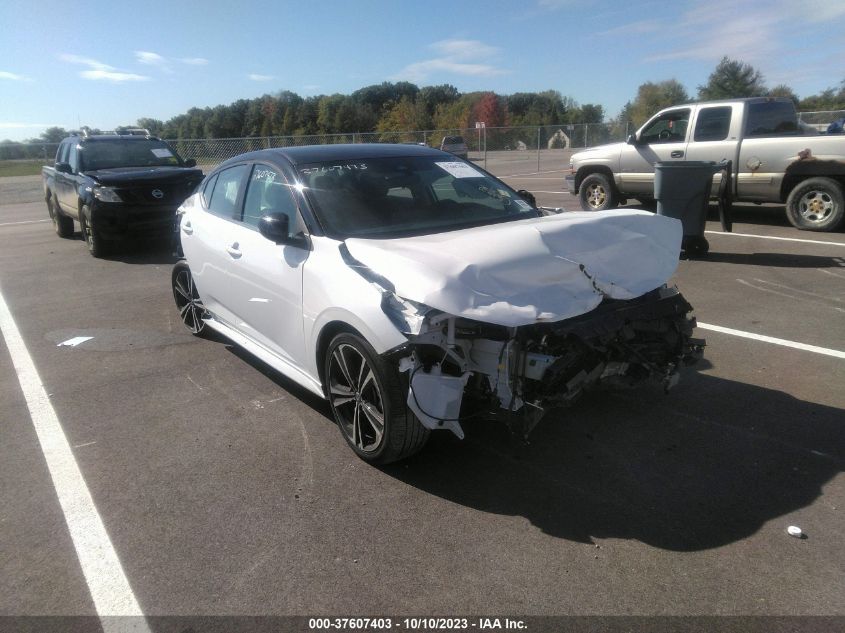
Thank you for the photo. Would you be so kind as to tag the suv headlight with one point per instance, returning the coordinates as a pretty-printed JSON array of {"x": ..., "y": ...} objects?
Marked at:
[{"x": 106, "y": 194}]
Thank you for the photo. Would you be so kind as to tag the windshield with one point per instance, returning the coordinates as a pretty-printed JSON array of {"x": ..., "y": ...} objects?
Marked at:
[
  {"x": 396, "y": 197},
  {"x": 128, "y": 153}
]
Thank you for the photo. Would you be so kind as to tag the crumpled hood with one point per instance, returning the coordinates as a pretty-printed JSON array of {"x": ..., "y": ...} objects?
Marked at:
[{"x": 542, "y": 269}]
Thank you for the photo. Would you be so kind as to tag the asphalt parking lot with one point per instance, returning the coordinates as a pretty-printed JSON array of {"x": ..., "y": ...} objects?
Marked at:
[{"x": 226, "y": 490}]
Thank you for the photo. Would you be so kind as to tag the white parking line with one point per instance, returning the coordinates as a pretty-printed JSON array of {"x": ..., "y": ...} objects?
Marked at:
[
  {"x": 24, "y": 222},
  {"x": 100, "y": 564},
  {"x": 775, "y": 341},
  {"x": 771, "y": 237}
]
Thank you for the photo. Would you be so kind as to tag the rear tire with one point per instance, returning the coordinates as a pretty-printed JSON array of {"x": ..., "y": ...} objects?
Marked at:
[
  {"x": 62, "y": 225},
  {"x": 816, "y": 204},
  {"x": 597, "y": 193},
  {"x": 368, "y": 400},
  {"x": 188, "y": 301}
]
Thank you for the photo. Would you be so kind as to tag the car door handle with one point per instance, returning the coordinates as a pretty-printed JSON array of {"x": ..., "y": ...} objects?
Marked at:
[
  {"x": 187, "y": 228},
  {"x": 234, "y": 250},
  {"x": 677, "y": 154}
]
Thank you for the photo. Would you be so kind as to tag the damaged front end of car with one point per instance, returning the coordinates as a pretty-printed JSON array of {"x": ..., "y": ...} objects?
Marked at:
[{"x": 459, "y": 368}]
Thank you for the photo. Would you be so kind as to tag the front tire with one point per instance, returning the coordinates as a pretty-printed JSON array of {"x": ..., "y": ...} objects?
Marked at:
[
  {"x": 816, "y": 204},
  {"x": 597, "y": 193},
  {"x": 367, "y": 398},
  {"x": 96, "y": 244}
]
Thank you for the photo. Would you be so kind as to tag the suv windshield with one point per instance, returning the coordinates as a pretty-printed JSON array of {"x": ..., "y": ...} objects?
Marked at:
[
  {"x": 397, "y": 197},
  {"x": 108, "y": 154}
]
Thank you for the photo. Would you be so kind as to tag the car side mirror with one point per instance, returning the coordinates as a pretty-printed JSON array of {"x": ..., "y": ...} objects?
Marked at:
[
  {"x": 276, "y": 228},
  {"x": 528, "y": 197},
  {"x": 632, "y": 139},
  {"x": 190, "y": 163},
  {"x": 63, "y": 168}
]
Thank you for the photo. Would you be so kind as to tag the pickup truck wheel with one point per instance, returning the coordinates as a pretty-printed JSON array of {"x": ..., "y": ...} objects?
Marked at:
[
  {"x": 96, "y": 245},
  {"x": 597, "y": 193},
  {"x": 367, "y": 398},
  {"x": 816, "y": 204},
  {"x": 188, "y": 301},
  {"x": 62, "y": 224}
]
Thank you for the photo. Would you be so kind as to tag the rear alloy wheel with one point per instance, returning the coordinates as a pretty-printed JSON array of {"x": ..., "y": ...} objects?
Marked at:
[
  {"x": 596, "y": 193},
  {"x": 191, "y": 310},
  {"x": 367, "y": 400},
  {"x": 96, "y": 244},
  {"x": 816, "y": 205},
  {"x": 62, "y": 225}
]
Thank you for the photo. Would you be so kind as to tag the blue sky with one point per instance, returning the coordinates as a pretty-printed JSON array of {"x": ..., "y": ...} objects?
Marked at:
[{"x": 107, "y": 63}]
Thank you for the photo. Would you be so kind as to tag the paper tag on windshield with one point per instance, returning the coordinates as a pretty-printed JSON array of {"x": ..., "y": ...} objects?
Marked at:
[
  {"x": 162, "y": 153},
  {"x": 460, "y": 170}
]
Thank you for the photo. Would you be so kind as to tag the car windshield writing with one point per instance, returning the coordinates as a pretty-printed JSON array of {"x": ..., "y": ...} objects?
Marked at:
[
  {"x": 127, "y": 153},
  {"x": 381, "y": 197}
]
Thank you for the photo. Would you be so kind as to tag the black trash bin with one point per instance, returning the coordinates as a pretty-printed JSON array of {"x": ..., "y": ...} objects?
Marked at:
[{"x": 682, "y": 190}]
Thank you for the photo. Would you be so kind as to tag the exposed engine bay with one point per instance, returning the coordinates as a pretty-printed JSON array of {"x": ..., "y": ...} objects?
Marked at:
[{"x": 459, "y": 368}]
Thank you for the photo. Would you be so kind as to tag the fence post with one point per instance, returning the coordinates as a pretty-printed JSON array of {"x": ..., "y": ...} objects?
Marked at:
[
  {"x": 586, "y": 127},
  {"x": 538, "y": 147}
]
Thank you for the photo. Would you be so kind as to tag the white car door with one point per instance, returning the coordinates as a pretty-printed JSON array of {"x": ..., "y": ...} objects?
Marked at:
[{"x": 266, "y": 278}]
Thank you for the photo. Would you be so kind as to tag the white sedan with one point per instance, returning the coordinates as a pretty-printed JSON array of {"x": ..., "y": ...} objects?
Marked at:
[{"x": 413, "y": 290}]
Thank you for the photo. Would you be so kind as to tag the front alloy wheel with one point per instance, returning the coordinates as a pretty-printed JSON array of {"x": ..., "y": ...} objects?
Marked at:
[
  {"x": 356, "y": 398},
  {"x": 191, "y": 310},
  {"x": 368, "y": 399}
]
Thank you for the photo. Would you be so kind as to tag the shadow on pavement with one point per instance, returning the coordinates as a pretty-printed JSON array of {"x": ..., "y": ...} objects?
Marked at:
[
  {"x": 704, "y": 466},
  {"x": 140, "y": 251},
  {"x": 707, "y": 465},
  {"x": 775, "y": 260}
]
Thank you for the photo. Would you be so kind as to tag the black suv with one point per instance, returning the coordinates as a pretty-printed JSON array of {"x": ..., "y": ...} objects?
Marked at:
[{"x": 117, "y": 185}]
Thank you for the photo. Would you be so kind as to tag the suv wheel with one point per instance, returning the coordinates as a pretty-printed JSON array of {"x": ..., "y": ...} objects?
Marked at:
[
  {"x": 96, "y": 245},
  {"x": 62, "y": 225}
]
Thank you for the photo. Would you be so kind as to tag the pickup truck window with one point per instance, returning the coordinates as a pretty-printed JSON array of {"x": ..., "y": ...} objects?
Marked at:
[
  {"x": 713, "y": 124},
  {"x": 73, "y": 157},
  {"x": 670, "y": 127},
  {"x": 771, "y": 117},
  {"x": 61, "y": 154}
]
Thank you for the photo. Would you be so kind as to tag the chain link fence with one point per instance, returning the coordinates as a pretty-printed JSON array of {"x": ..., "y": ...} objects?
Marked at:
[
  {"x": 537, "y": 146},
  {"x": 821, "y": 119}
]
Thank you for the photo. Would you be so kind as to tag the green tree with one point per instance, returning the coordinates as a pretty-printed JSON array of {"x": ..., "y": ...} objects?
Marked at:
[
  {"x": 53, "y": 135},
  {"x": 652, "y": 97},
  {"x": 155, "y": 126},
  {"x": 402, "y": 117},
  {"x": 731, "y": 80}
]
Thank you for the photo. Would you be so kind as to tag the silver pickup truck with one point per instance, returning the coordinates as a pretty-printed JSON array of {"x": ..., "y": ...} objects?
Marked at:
[{"x": 775, "y": 159}]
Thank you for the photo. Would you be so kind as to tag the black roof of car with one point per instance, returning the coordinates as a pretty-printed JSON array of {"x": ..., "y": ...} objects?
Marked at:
[{"x": 356, "y": 151}]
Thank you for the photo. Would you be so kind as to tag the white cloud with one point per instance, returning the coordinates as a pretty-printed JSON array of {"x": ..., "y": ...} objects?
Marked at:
[
  {"x": 13, "y": 76},
  {"x": 149, "y": 58},
  {"x": 256, "y": 77},
  {"x": 98, "y": 71},
  {"x": 85, "y": 61},
  {"x": 110, "y": 75},
  {"x": 457, "y": 57},
  {"x": 194, "y": 61}
]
